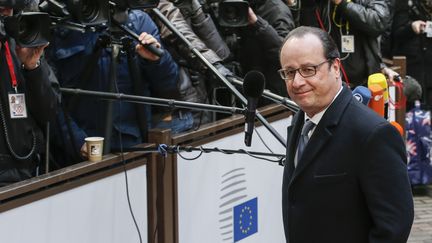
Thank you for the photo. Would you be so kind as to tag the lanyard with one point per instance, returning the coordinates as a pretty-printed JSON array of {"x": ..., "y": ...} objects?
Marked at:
[
  {"x": 10, "y": 66},
  {"x": 321, "y": 23},
  {"x": 340, "y": 24}
]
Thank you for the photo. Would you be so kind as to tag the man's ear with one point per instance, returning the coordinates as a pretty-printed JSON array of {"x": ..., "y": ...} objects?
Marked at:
[{"x": 336, "y": 66}]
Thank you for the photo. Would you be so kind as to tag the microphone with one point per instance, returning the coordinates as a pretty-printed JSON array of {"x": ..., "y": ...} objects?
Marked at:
[
  {"x": 362, "y": 94},
  {"x": 253, "y": 87},
  {"x": 377, "y": 100}
]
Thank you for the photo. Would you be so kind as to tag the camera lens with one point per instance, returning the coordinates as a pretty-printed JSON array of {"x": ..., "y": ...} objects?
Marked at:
[
  {"x": 231, "y": 14},
  {"x": 90, "y": 10},
  {"x": 27, "y": 31}
]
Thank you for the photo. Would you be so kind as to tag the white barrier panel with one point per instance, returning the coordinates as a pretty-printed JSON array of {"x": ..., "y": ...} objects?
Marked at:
[
  {"x": 93, "y": 213},
  {"x": 232, "y": 197}
]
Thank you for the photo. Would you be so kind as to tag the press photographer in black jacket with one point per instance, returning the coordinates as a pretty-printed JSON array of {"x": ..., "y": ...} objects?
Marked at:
[
  {"x": 28, "y": 100},
  {"x": 411, "y": 40}
]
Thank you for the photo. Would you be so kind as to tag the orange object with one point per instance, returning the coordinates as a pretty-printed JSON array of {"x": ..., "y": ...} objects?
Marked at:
[
  {"x": 398, "y": 127},
  {"x": 376, "y": 102}
]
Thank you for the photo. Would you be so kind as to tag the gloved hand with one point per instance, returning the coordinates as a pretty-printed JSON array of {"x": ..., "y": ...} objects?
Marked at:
[{"x": 187, "y": 7}]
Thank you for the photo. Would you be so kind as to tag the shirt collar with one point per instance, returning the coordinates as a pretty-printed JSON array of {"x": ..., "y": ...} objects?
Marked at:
[{"x": 317, "y": 117}]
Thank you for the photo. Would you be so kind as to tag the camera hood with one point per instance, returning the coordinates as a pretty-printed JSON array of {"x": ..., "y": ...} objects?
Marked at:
[{"x": 29, "y": 29}]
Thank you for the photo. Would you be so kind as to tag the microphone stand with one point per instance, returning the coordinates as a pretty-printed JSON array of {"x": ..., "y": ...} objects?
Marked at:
[
  {"x": 169, "y": 25},
  {"x": 153, "y": 101}
]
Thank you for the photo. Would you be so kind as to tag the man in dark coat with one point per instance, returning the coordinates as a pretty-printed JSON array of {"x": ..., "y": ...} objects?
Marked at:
[
  {"x": 411, "y": 40},
  {"x": 348, "y": 182},
  {"x": 29, "y": 96}
]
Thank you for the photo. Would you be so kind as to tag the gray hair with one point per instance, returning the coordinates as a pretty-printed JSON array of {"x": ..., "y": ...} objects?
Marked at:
[{"x": 330, "y": 49}]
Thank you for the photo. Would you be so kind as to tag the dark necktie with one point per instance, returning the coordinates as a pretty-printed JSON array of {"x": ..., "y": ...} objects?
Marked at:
[{"x": 304, "y": 138}]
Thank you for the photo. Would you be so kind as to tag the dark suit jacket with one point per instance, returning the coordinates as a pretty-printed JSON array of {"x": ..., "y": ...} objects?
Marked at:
[{"x": 351, "y": 184}]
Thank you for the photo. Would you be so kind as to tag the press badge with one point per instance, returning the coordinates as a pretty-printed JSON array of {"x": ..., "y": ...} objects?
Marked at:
[
  {"x": 428, "y": 29},
  {"x": 17, "y": 106},
  {"x": 347, "y": 45}
]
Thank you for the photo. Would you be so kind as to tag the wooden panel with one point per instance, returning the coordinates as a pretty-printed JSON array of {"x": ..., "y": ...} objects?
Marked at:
[
  {"x": 62, "y": 175},
  {"x": 73, "y": 182},
  {"x": 165, "y": 227}
]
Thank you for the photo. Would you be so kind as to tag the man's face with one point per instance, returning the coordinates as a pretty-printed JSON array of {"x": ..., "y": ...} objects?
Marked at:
[{"x": 315, "y": 93}]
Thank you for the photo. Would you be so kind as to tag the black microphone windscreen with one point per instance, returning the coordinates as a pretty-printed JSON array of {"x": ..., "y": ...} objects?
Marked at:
[{"x": 253, "y": 84}]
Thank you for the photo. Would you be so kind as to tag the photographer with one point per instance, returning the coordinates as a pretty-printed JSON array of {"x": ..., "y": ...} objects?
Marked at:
[
  {"x": 202, "y": 24},
  {"x": 82, "y": 60},
  {"x": 355, "y": 26},
  {"x": 269, "y": 22},
  {"x": 194, "y": 81},
  {"x": 28, "y": 100},
  {"x": 413, "y": 39}
]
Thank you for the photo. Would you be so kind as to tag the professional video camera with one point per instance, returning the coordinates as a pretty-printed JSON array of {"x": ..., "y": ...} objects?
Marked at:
[
  {"x": 85, "y": 12},
  {"x": 233, "y": 13},
  {"x": 90, "y": 12},
  {"x": 27, "y": 28},
  {"x": 229, "y": 13}
]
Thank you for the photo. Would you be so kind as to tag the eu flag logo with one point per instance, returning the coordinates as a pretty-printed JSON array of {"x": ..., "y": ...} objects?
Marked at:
[{"x": 245, "y": 219}]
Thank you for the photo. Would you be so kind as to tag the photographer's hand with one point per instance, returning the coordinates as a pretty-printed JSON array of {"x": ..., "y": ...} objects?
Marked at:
[
  {"x": 252, "y": 18},
  {"x": 390, "y": 74},
  {"x": 83, "y": 151},
  {"x": 30, "y": 56},
  {"x": 147, "y": 39},
  {"x": 418, "y": 26}
]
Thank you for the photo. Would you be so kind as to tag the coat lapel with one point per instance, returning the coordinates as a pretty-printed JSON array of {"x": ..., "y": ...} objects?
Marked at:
[{"x": 322, "y": 133}]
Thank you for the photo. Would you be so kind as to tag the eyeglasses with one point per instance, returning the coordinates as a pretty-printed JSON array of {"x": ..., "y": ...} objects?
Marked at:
[{"x": 305, "y": 72}]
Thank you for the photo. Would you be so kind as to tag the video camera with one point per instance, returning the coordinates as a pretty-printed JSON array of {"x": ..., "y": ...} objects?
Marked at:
[
  {"x": 31, "y": 29},
  {"x": 27, "y": 28},
  {"x": 229, "y": 13},
  {"x": 90, "y": 12},
  {"x": 233, "y": 13},
  {"x": 85, "y": 12}
]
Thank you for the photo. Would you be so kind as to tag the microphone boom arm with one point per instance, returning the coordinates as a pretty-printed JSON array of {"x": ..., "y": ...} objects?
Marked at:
[{"x": 154, "y": 101}]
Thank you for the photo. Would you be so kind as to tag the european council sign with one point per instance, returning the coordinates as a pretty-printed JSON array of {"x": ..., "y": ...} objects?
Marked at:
[{"x": 245, "y": 219}]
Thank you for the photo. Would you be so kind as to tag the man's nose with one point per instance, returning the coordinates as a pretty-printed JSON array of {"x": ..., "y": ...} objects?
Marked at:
[{"x": 298, "y": 80}]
